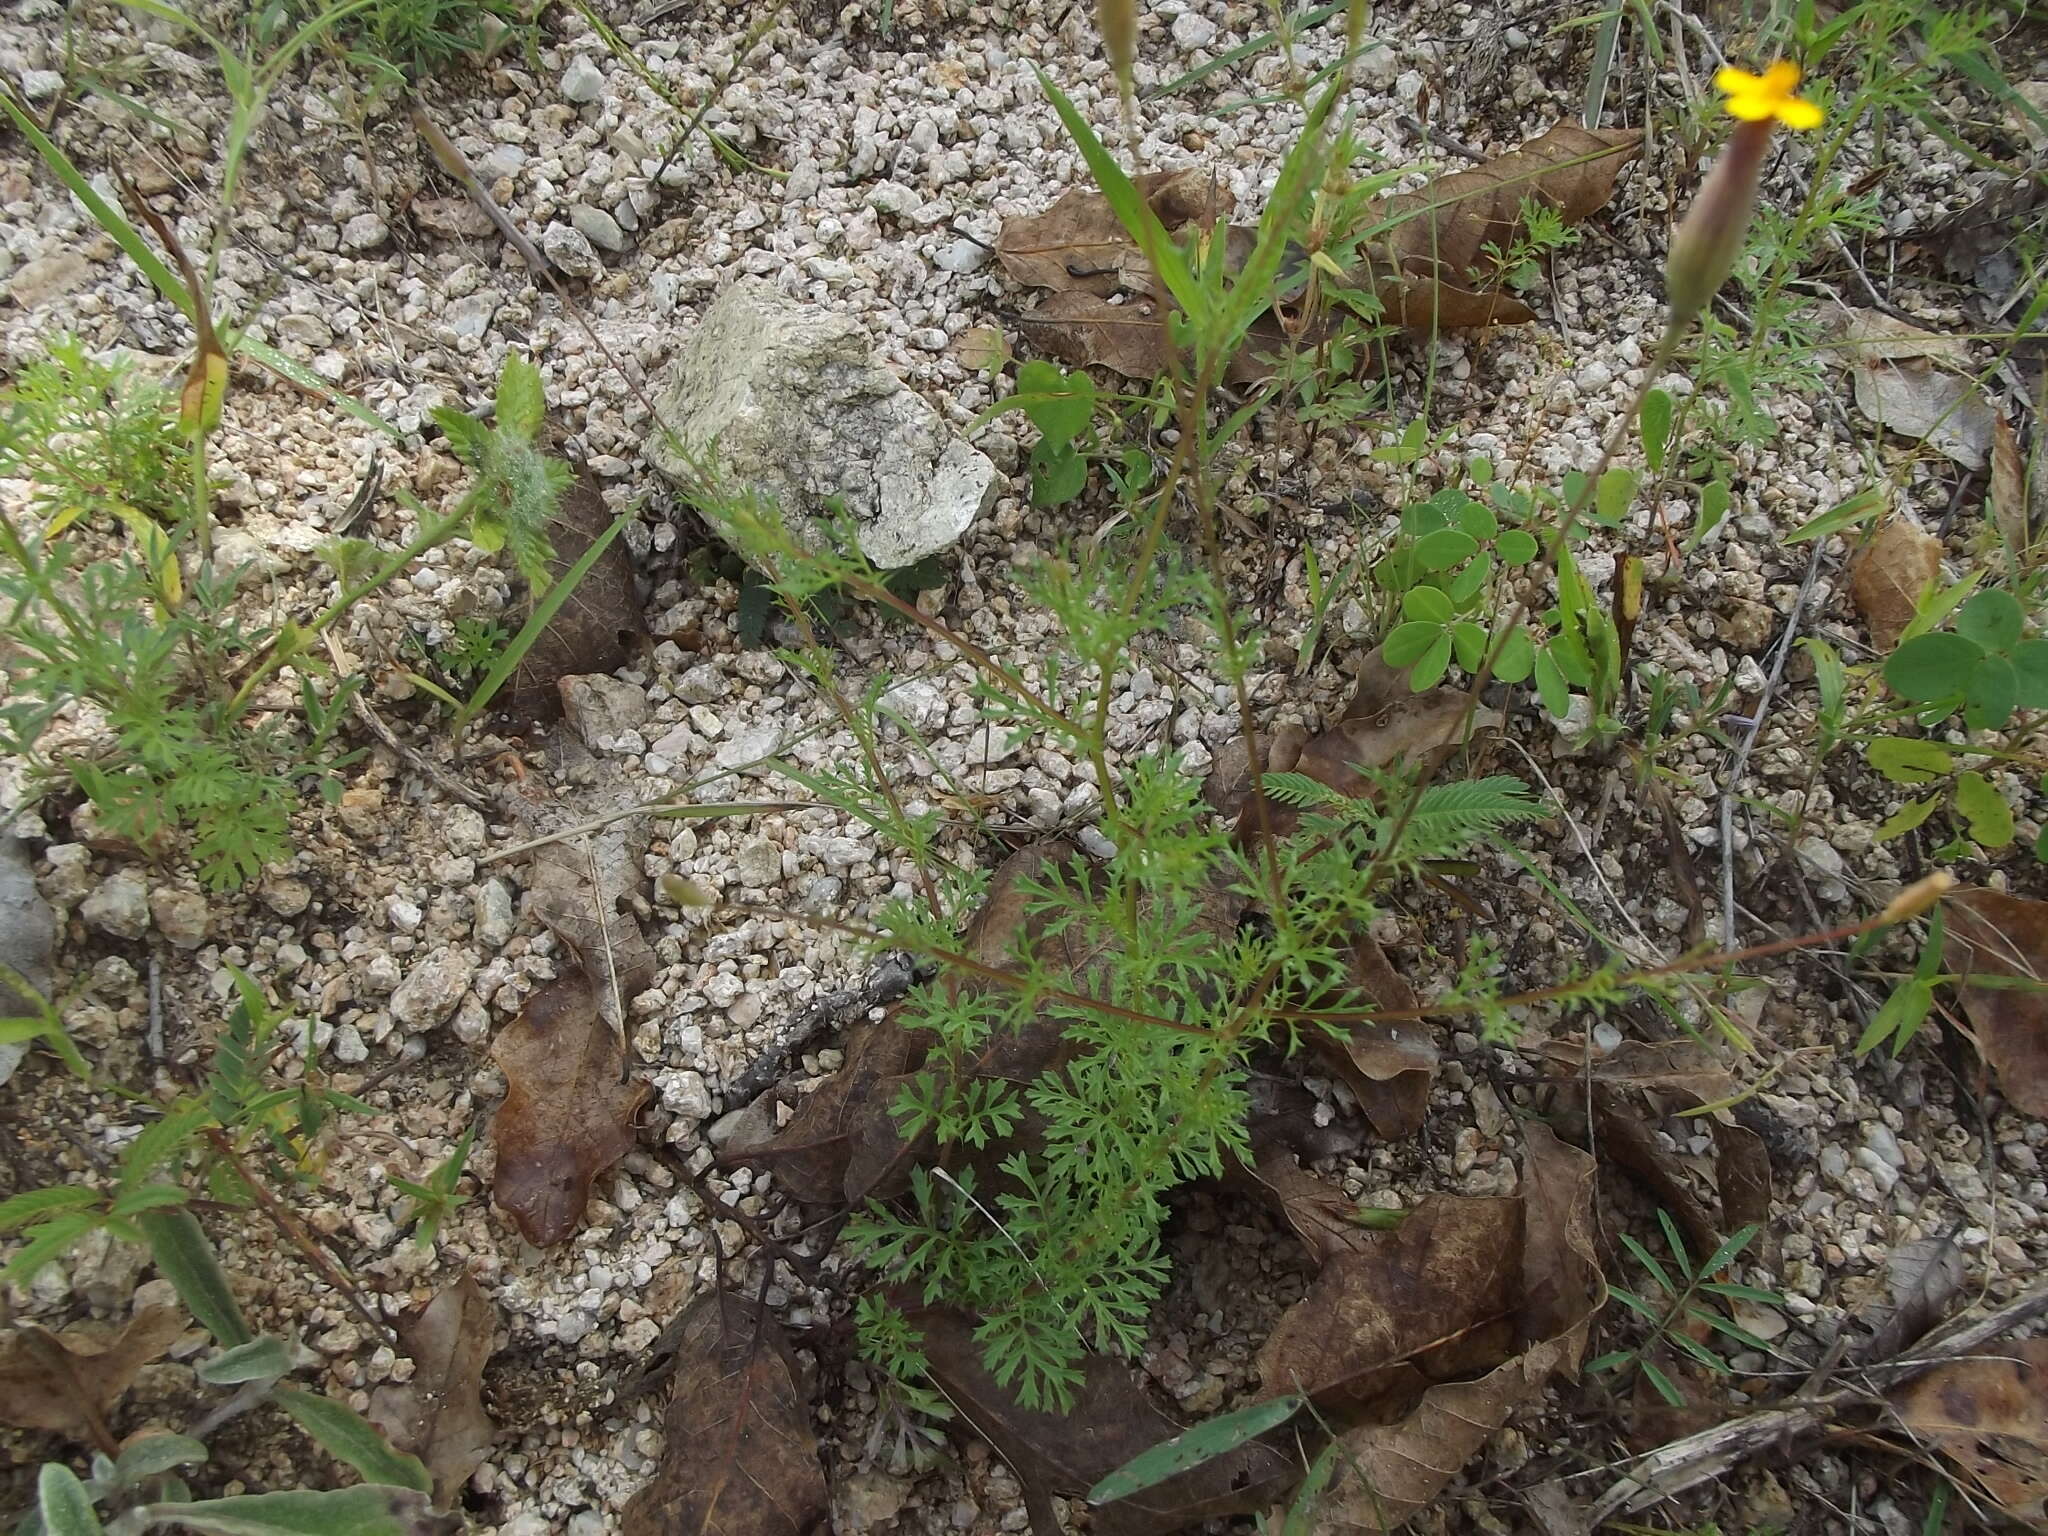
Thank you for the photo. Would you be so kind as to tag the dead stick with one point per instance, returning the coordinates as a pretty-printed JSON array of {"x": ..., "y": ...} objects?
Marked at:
[{"x": 1686, "y": 1463}]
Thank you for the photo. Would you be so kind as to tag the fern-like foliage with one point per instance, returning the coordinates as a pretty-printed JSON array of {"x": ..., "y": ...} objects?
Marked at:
[{"x": 1450, "y": 817}]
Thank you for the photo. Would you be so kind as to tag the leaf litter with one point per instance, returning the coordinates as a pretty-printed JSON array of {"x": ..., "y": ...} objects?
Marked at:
[
  {"x": 740, "y": 1457},
  {"x": 67, "y": 1382},
  {"x": 438, "y": 1415},
  {"x": 569, "y": 1108},
  {"x": 1425, "y": 270},
  {"x": 1999, "y": 936},
  {"x": 1415, "y": 1341}
]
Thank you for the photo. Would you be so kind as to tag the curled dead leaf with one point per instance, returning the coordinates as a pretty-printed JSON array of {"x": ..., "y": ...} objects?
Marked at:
[
  {"x": 1903, "y": 381},
  {"x": 740, "y": 1458},
  {"x": 2016, "y": 507},
  {"x": 1989, "y": 1416},
  {"x": 1322, "y": 1215},
  {"x": 1446, "y": 227},
  {"x": 1889, "y": 576},
  {"x": 68, "y": 1381},
  {"x": 598, "y": 627},
  {"x": 1388, "y": 1066},
  {"x": 1639, "y": 1083},
  {"x": 1078, "y": 245},
  {"x": 1390, "y": 1471},
  {"x": 1423, "y": 271},
  {"x": 438, "y": 1414},
  {"x": 1111, "y": 1420},
  {"x": 1993, "y": 934},
  {"x": 589, "y": 890},
  {"x": 1432, "y": 1300},
  {"x": 568, "y": 1112}
]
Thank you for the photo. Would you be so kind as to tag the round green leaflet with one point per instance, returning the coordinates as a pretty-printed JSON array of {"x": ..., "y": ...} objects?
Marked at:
[
  {"x": 1994, "y": 690},
  {"x": 1930, "y": 667},
  {"x": 1992, "y": 619}
]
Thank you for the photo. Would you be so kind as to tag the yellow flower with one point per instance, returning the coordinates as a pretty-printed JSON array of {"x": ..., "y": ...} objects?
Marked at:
[{"x": 1759, "y": 98}]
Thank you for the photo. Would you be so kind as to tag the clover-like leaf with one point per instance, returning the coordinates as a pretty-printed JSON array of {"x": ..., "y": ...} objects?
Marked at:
[
  {"x": 1930, "y": 667},
  {"x": 1409, "y": 642},
  {"x": 1427, "y": 605},
  {"x": 1992, "y": 619},
  {"x": 1980, "y": 804},
  {"x": 2030, "y": 673},
  {"x": 1993, "y": 692},
  {"x": 1446, "y": 547},
  {"x": 1435, "y": 662},
  {"x": 1516, "y": 547},
  {"x": 1909, "y": 760},
  {"x": 1517, "y": 657}
]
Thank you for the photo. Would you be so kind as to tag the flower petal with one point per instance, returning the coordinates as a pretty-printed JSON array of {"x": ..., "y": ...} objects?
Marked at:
[
  {"x": 1751, "y": 107},
  {"x": 1782, "y": 78},
  {"x": 1737, "y": 82},
  {"x": 1795, "y": 112}
]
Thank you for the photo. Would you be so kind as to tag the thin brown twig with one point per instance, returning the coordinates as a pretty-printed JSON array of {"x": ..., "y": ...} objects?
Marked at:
[
  {"x": 294, "y": 1229},
  {"x": 1685, "y": 1463}
]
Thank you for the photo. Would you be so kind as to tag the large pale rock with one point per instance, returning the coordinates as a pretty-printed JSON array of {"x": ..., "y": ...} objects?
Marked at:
[{"x": 789, "y": 399}]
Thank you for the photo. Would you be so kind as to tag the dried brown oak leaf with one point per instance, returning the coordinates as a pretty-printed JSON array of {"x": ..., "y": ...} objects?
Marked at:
[
  {"x": 1078, "y": 245},
  {"x": 1639, "y": 1083},
  {"x": 810, "y": 1156},
  {"x": 1989, "y": 1415},
  {"x": 740, "y": 1458},
  {"x": 1112, "y": 1420},
  {"x": 1999, "y": 935},
  {"x": 1446, "y": 226},
  {"x": 1421, "y": 270},
  {"x": 589, "y": 889},
  {"x": 568, "y": 1112},
  {"x": 68, "y": 1381},
  {"x": 1431, "y": 1300},
  {"x": 438, "y": 1415},
  {"x": 1390, "y": 1471},
  {"x": 1889, "y": 576},
  {"x": 1321, "y": 1215},
  {"x": 597, "y": 628},
  {"x": 1387, "y": 1065}
]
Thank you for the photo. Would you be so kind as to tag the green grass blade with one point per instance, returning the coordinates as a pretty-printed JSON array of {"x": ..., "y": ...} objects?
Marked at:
[
  {"x": 167, "y": 282},
  {"x": 1168, "y": 261},
  {"x": 1241, "y": 52},
  {"x": 1604, "y": 48}
]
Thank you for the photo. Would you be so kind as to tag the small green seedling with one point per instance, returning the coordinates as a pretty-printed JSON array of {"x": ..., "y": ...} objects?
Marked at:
[
  {"x": 1676, "y": 1308},
  {"x": 438, "y": 1198}
]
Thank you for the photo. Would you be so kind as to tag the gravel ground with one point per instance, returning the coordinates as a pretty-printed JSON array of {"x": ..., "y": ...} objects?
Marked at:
[{"x": 401, "y": 928}]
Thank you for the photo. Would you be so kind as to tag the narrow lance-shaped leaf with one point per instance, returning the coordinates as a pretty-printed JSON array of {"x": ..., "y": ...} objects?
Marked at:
[
  {"x": 364, "y": 1510},
  {"x": 349, "y": 1437},
  {"x": 184, "y": 1256},
  {"x": 1203, "y": 1443}
]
